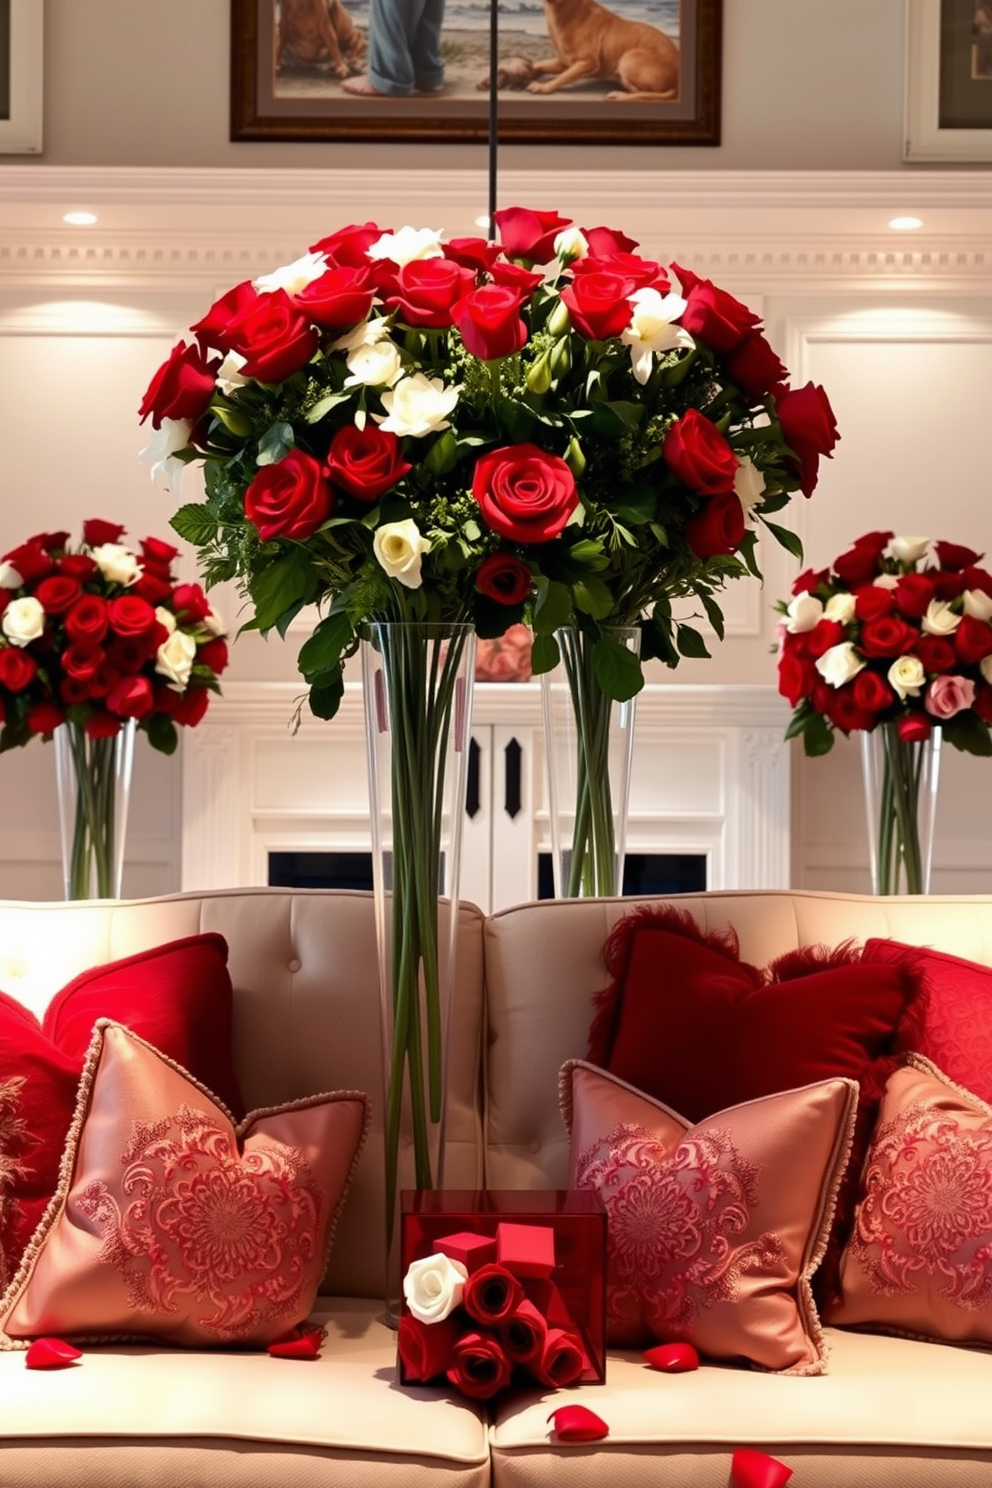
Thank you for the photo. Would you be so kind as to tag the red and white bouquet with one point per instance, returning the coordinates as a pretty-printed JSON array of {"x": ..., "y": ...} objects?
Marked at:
[
  {"x": 483, "y": 1313},
  {"x": 898, "y": 630},
  {"x": 95, "y": 635}
]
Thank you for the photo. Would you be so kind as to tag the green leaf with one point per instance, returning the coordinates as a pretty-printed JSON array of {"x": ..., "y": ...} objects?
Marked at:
[
  {"x": 276, "y": 442},
  {"x": 690, "y": 642},
  {"x": 442, "y": 455},
  {"x": 617, "y": 670},
  {"x": 195, "y": 523},
  {"x": 162, "y": 733},
  {"x": 286, "y": 619},
  {"x": 588, "y": 552},
  {"x": 325, "y": 404},
  {"x": 517, "y": 419},
  {"x": 544, "y": 655},
  {"x": 279, "y": 586},
  {"x": 552, "y": 608},
  {"x": 325, "y": 697},
  {"x": 322, "y": 651},
  {"x": 592, "y": 597},
  {"x": 233, "y": 421},
  {"x": 638, "y": 504},
  {"x": 787, "y": 539},
  {"x": 818, "y": 737},
  {"x": 967, "y": 732},
  {"x": 746, "y": 551},
  {"x": 714, "y": 614}
]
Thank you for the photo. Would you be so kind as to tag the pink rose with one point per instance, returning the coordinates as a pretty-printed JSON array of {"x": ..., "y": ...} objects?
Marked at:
[{"x": 949, "y": 695}]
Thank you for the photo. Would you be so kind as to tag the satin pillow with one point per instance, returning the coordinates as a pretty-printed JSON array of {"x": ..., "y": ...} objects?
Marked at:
[
  {"x": 14, "y": 1141},
  {"x": 714, "y": 1229},
  {"x": 170, "y": 1222},
  {"x": 177, "y": 996},
  {"x": 920, "y": 1258}
]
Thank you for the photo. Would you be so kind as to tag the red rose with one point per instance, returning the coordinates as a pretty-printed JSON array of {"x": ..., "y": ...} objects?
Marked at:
[
  {"x": 978, "y": 578},
  {"x": 562, "y": 1360},
  {"x": 274, "y": 338},
  {"x": 489, "y": 322},
  {"x": 479, "y": 1366},
  {"x": 954, "y": 556},
  {"x": 365, "y": 463},
  {"x": 504, "y": 578},
  {"x": 810, "y": 579},
  {"x": 529, "y": 235},
  {"x": 190, "y": 604},
  {"x": 825, "y": 633},
  {"x": 18, "y": 668},
  {"x": 214, "y": 655},
  {"x": 53, "y": 542},
  {"x": 290, "y": 498},
  {"x": 472, "y": 253},
  {"x": 57, "y": 593},
  {"x": 425, "y": 1348},
  {"x": 861, "y": 563},
  {"x": 698, "y": 455},
  {"x": 88, "y": 620},
  {"x": 214, "y": 328},
  {"x": 30, "y": 560},
  {"x": 73, "y": 690},
  {"x": 914, "y": 728},
  {"x": 524, "y": 1333},
  {"x": 936, "y": 653},
  {"x": 603, "y": 240},
  {"x": 983, "y": 704},
  {"x": 101, "y": 725},
  {"x": 873, "y": 601},
  {"x": 796, "y": 677},
  {"x": 717, "y": 529},
  {"x": 96, "y": 532},
  {"x": 845, "y": 713},
  {"x": 82, "y": 662},
  {"x": 808, "y": 427},
  {"x": 427, "y": 291},
  {"x": 643, "y": 273},
  {"x": 104, "y": 679},
  {"x": 598, "y": 304},
  {"x": 491, "y": 1294},
  {"x": 181, "y": 388},
  {"x": 913, "y": 594},
  {"x": 973, "y": 639},
  {"x": 525, "y": 494},
  {"x": 158, "y": 554},
  {"x": 154, "y": 587},
  {"x": 713, "y": 315},
  {"x": 338, "y": 299},
  {"x": 515, "y": 276},
  {"x": 3, "y": 711},
  {"x": 78, "y": 566},
  {"x": 130, "y": 615},
  {"x": 349, "y": 245},
  {"x": 131, "y": 697},
  {"x": 44, "y": 718},
  {"x": 948, "y": 585},
  {"x": 871, "y": 692},
  {"x": 887, "y": 636},
  {"x": 131, "y": 653},
  {"x": 184, "y": 708},
  {"x": 754, "y": 366}
]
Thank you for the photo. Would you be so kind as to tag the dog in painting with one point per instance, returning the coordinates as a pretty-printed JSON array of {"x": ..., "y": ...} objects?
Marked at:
[
  {"x": 320, "y": 34},
  {"x": 591, "y": 41}
]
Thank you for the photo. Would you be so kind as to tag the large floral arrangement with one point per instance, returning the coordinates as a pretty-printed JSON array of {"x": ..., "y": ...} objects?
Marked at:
[
  {"x": 97, "y": 634},
  {"x": 551, "y": 428}
]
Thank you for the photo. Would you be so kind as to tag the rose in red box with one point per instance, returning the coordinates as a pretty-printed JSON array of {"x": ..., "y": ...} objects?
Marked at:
[{"x": 502, "y": 1287}]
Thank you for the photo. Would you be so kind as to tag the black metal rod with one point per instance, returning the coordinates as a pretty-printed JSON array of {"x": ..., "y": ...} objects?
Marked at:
[{"x": 493, "y": 114}]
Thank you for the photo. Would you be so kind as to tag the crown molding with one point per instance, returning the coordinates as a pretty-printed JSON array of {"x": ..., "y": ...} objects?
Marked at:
[{"x": 183, "y": 232}]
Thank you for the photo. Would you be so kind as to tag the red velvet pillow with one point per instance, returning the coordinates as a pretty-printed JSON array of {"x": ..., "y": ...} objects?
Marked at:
[
  {"x": 951, "y": 1022},
  {"x": 178, "y": 997}
]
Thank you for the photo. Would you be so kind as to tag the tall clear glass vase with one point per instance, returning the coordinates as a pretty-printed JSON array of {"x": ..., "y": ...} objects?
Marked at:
[
  {"x": 94, "y": 790},
  {"x": 418, "y": 681},
  {"x": 900, "y": 781},
  {"x": 588, "y": 745}
]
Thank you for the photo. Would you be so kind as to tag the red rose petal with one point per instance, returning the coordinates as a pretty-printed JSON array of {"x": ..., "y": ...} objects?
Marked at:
[
  {"x": 749, "y": 1469},
  {"x": 672, "y": 1358},
  {"x": 576, "y": 1423},
  {"x": 51, "y": 1353},
  {"x": 301, "y": 1346}
]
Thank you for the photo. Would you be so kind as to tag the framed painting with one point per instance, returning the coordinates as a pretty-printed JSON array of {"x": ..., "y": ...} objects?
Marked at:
[
  {"x": 626, "y": 72},
  {"x": 949, "y": 80},
  {"x": 21, "y": 59}
]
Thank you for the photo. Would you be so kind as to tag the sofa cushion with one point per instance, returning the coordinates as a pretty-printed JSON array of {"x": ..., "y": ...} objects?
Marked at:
[
  {"x": 170, "y": 1222},
  {"x": 714, "y": 1228},
  {"x": 920, "y": 1256},
  {"x": 177, "y": 995}
]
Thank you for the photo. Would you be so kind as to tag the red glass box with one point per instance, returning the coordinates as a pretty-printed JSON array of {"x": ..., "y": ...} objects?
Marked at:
[{"x": 564, "y": 1268}]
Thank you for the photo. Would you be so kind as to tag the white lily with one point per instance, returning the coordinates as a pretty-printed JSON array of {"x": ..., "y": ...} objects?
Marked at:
[{"x": 652, "y": 329}]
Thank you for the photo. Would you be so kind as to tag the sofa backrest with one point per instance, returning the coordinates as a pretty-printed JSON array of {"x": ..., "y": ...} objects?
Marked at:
[
  {"x": 306, "y": 1019},
  {"x": 544, "y": 966}
]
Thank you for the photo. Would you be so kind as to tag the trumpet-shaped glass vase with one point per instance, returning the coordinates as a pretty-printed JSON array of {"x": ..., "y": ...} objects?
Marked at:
[
  {"x": 900, "y": 780},
  {"x": 94, "y": 790}
]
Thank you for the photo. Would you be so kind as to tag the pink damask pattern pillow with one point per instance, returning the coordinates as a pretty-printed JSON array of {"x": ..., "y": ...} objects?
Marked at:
[
  {"x": 919, "y": 1260},
  {"x": 172, "y": 1222},
  {"x": 14, "y": 1140},
  {"x": 714, "y": 1229}
]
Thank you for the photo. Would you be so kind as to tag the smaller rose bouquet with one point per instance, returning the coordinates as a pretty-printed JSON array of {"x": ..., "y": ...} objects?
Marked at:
[{"x": 483, "y": 1313}]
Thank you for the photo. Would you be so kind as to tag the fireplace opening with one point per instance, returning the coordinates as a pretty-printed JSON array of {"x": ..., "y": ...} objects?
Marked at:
[
  {"x": 643, "y": 873},
  {"x": 320, "y": 870}
]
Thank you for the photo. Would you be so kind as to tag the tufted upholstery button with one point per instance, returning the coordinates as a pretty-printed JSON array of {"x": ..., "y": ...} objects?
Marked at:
[
  {"x": 293, "y": 965},
  {"x": 534, "y": 1145}
]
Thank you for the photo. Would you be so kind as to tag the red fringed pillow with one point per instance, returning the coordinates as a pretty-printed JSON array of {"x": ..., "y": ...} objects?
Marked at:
[
  {"x": 178, "y": 997},
  {"x": 690, "y": 1023}
]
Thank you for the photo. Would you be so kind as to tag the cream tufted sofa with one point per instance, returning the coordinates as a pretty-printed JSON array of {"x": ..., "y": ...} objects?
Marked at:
[{"x": 889, "y": 1412}]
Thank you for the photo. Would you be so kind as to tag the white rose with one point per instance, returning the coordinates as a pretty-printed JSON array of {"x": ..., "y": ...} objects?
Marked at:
[
  {"x": 229, "y": 372},
  {"x": 9, "y": 577},
  {"x": 651, "y": 329},
  {"x": 166, "y": 473},
  {"x": 400, "y": 549},
  {"x": 165, "y": 617},
  {"x": 906, "y": 549},
  {"x": 366, "y": 333},
  {"x": 418, "y": 405},
  {"x": 571, "y": 244},
  {"x": 804, "y": 611},
  {"x": 293, "y": 277},
  {"x": 840, "y": 607},
  {"x": 407, "y": 245},
  {"x": 174, "y": 658},
  {"x": 839, "y": 664},
  {"x": 886, "y": 581},
  {"x": 985, "y": 667},
  {"x": 23, "y": 620},
  {"x": 378, "y": 365},
  {"x": 117, "y": 564},
  {"x": 213, "y": 623},
  {"x": 433, "y": 1287},
  {"x": 749, "y": 483},
  {"x": 940, "y": 619},
  {"x": 907, "y": 676},
  {"x": 977, "y": 604}
]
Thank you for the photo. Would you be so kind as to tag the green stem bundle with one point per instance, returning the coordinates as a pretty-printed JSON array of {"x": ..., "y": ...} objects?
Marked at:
[
  {"x": 900, "y": 860},
  {"x": 91, "y": 866},
  {"x": 593, "y": 865}
]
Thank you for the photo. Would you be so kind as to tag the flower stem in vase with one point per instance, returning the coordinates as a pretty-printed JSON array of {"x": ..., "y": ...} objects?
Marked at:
[
  {"x": 94, "y": 777},
  {"x": 901, "y": 777}
]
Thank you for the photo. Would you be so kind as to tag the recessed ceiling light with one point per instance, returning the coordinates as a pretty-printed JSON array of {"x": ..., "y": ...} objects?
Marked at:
[
  {"x": 905, "y": 224},
  {"x": 79, "y": 219}
]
